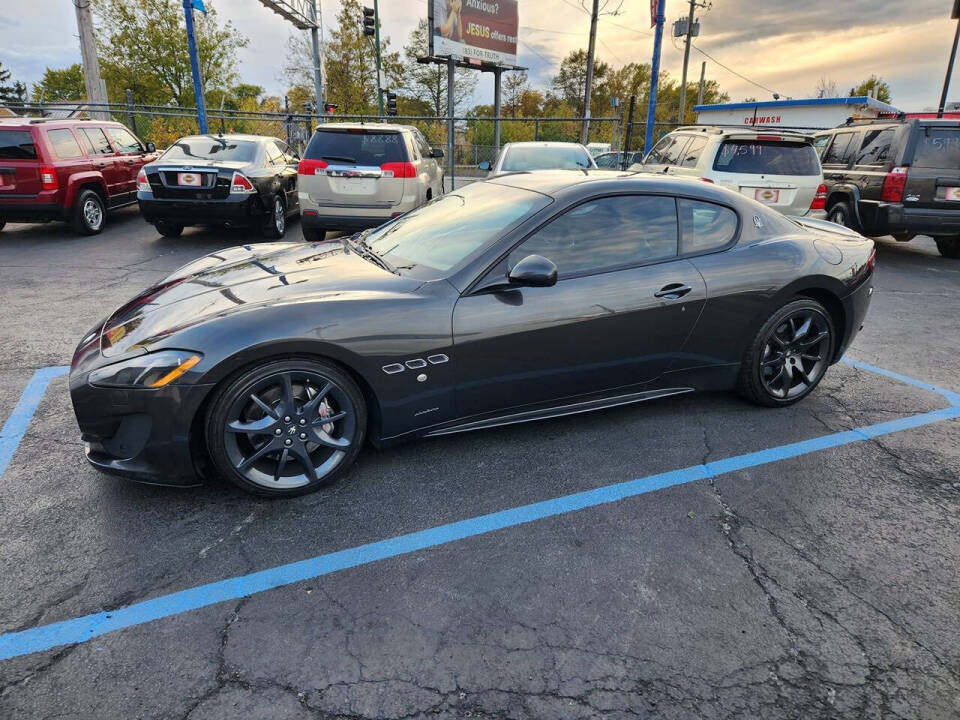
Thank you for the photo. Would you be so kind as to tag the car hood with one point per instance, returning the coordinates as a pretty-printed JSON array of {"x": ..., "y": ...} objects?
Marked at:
[{"x": 241, "y": 279}]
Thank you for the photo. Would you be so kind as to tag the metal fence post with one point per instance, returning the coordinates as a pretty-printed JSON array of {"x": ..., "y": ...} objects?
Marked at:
[
  {"x": 130, "y": 116},
  {"x": 626, "y": 142},
  {"x": 536, "y": 129}
]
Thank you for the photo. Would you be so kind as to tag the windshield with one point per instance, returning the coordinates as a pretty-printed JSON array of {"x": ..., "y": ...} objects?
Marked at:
[
  {"x": 938, "y": 148},
  {"x": 357, "y": 147},
  {"x": 211, "y": 148},
  {"x": 538, "y": 157},
  {"x": 446, "y": 231},
  {"x": 765, "y": 157}
]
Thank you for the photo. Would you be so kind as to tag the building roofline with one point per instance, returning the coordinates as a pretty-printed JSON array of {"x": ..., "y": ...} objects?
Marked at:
[{"x": 858, "y": 100}]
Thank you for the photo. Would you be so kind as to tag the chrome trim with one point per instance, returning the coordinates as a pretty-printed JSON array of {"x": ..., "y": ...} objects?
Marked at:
[
  {"x": 353, "y": 171},
  {"x": 437, "y": 359},
  {"x": 559, "y": 411},
  {"x": 416, "y": 363},
  {"x": 393, "y": 368}
]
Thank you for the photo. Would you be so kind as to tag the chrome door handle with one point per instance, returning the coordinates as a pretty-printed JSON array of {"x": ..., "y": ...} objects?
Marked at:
[{"x": 673, "y": 291}]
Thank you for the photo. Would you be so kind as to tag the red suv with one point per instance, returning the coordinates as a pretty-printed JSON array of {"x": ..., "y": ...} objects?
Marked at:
[{"x": 71, "y": 170}]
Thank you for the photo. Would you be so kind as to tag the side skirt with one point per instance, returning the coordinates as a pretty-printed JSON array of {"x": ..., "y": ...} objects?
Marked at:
[{"x": 558, "y": 411}]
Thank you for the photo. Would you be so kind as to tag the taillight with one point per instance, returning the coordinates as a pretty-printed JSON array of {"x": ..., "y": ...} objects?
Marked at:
[
  {"x": 48, "y": 177},
  {"x": 143, "y": 185},
  {"x": 872, "y": 260},
  {"x": 819, "y": 198},
  {"x": 399, "y": 169},
  {"x": 310, "y": 167},
  {"x": 240, "y": 184},
  {"x": 894, "y": 184},
  {"x": 707, "y": 180}
]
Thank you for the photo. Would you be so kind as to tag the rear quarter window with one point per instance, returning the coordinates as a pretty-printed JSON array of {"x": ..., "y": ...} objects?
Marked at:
[
  {"x": 938, "y": 148},
  {"x": 705, "y": 226},
  {"x": 65, "y": 145},
  {"x": 767, "y": 157},
  {"x": 17, "y": 145},
  {"x": 348, "y": 147}
]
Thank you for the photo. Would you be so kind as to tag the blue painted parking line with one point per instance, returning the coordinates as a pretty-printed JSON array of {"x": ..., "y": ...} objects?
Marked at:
[
  {"x": 16, "y": 425},
  {"x": 82, "y": 629}
]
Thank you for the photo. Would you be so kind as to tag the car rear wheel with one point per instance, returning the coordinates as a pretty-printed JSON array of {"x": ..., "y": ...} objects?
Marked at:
[
  {"x": 286, "y": 427},
  {"x": 314, "y": 234},
  {"x": 949, "y": 247},
  {"x": 841, "y": 213},
  {"x": 170, "y": 230},
  {"x": 789, "y": 355},
  {"x": 89, "y": 213},
  {"x": 275, "y": 224}
]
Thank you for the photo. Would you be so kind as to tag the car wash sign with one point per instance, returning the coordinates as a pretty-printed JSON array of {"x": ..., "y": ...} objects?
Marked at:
[
  {"x": 483, "y": 30},
  {"x": 811, "y": 114}
]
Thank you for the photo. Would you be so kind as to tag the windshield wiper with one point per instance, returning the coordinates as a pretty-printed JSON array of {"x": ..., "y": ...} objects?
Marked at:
[
  {"x": 342, "y": 158},
  {"x": 359, "y": 245}
]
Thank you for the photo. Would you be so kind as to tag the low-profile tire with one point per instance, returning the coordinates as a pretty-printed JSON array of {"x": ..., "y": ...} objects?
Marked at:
[
  {"x": 89, "y": 213},
  {"x": 286, "y": 427},
  {"x": 275, "y": 222},
  {"x": 949, "y": 247},
  {"x": 842, "y": 213},
  {"x": 313, "y": 234},
  {"x": 789, "y": 354},
  {"x": 168, "y": 229}
]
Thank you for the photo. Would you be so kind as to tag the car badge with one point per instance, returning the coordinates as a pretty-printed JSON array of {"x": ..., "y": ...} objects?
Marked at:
[
  {"x": 912, "y": 198},
  {"x": 757, "y": 222}
]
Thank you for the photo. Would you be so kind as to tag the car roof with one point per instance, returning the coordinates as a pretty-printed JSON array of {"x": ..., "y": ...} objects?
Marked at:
[
  {"x": 231, "y": 136},
  {"x": 393, "y": 127},
  {"x": 555, "y": 182},
  {"x": 745, "y": 130},
  {"x": 544, "y": 143},
  {"x": 28, "y": 122}
]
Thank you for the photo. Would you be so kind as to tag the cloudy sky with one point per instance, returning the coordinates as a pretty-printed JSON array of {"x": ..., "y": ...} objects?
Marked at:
[{"x": 783, "y": 45}]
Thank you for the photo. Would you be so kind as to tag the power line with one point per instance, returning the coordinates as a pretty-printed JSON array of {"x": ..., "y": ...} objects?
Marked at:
[{"x": 731, "y": 70}]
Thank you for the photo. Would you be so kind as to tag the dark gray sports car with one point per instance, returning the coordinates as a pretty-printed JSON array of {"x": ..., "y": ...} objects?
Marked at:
[{"x": 529, "y": 296}]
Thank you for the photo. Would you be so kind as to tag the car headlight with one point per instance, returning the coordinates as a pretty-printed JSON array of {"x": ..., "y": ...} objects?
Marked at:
[{"x": 153, "y": 370}]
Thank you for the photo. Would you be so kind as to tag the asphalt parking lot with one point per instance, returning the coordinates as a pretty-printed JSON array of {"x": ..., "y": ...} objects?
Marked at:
[{"x": 808, "y": 578}]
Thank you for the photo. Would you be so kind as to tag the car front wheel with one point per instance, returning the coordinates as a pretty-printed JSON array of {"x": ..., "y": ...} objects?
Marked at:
[
  {"x": 286, "y": 427},
  {"x": 89, "y": 213},
  {"x": 949, "y": 247},
  {"x": 789, "y": 355}
]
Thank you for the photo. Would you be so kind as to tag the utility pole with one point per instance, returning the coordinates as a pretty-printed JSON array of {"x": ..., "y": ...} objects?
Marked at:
[
  {"x": 657, "y": 10},
  {"x": 195, "y": 67},
  {"x": 703, "y": 73},
  {"x": 953, "y": 56},
  {"x": 96, "y": 90},
  {"x": 588, "y": 85},
  {"x": 686, "y": 59},
  {"x": 315, "y": 40}
]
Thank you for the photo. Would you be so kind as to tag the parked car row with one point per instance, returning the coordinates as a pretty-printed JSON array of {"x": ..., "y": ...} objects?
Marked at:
[{"x": 352, "y": 177}]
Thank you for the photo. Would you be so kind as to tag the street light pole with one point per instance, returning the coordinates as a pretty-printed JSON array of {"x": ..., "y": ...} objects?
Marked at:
[
  {"x": 315, "y": 41},
  {"x": 195, "y": 67},
  {"x": 654, "y": 74},
  {"x": 953, "y": 57},
  {"x": 376, "y": 37}
]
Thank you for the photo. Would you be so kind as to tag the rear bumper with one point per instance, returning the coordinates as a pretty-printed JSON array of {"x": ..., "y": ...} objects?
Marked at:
[
  {"x": 855, "y": 307},
  {"x": 312, "y": 221},
  {"x": 882, "y": 218},
  {"x": 237, "y": 210},
  {"x": 29, "y": 212}
]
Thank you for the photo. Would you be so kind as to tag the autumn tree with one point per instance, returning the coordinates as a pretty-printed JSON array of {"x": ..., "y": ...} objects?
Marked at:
[
  {"x": 569, "y": 84},
  {"x": 427, "y": 83},
  {"x": 873, "y": 86},
  {"x": 60, "y": 85}
]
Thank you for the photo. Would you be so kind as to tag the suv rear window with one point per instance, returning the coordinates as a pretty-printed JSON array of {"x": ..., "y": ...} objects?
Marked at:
[
  {"x": 938, "y": 148},
  {"x": 767, "y": 157},
  {"x": 357, "y": 147},
  {"x": 17, "y": 145}
]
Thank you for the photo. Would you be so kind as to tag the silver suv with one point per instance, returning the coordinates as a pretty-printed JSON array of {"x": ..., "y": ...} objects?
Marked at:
[{"x": 355, "y": 176}]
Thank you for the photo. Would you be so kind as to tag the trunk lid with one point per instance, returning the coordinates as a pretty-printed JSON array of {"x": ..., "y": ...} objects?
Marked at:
[
  {"x": 933, "y": 175},
  {"x": 19, "y": 163},
  {"x": 355, "y": 166},
  {"x": 200, "y": 180}
]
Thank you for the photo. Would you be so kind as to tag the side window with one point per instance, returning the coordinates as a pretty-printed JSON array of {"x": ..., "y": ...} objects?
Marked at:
[
  {"x": 875, "y": 148},
  {"x": 274, "y": 155},
  {"x": 425, "y": 148},
  {"x": 289, "y": 156},
  {"x": 64, "y": 144},
  {"x": 691, "y": 155},
  {"x": 125, "y": 142},
  {"x": 667, "y": 151},
  {"x": 819, "y": 143},
  {"x": 96, "y": 142},
  {"x": 606, "y": 233},
  {"x": 413, "y": 147},
  {"x": 705, "y": 226},
  {"x": 837, "y": 153}
]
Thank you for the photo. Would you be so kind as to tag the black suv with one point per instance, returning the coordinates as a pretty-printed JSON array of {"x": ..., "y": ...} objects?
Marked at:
[{"x": 898, "y": 177}]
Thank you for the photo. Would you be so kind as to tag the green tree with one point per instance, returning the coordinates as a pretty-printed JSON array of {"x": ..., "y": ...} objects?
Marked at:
[
  {"x": 11, "y": 93},
  {"x": 428, "y": 83},
  {"x": 142, "y": 45},
  {"x": 569, "y": 84},
  {"x": 59, "y": 85},
  {"x": 874, "y": 86}
]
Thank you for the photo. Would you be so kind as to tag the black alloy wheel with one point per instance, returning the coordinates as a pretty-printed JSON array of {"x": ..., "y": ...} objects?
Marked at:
[
  {"x": 790, "y": 354},
  {"x": 286, "y": 427}
]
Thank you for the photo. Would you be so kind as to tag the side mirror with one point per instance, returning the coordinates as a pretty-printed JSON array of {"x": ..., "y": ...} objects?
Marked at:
[
  {"x": 151, "y": 147},
  {"x": 534, "y": 271},
  {"x": 436, "y": 152},
  {"x": 485, "y": 166}
]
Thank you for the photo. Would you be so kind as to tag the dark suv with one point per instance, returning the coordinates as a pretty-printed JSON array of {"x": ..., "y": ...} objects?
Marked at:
[
  {"x": 71, "y": 170},
  {"x": 898, "y": 177}
]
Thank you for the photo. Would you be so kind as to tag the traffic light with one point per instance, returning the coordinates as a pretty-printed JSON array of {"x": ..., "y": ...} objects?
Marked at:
[
  {"x": 391, "y": 103},
  {"x": 369, "y": 22}
]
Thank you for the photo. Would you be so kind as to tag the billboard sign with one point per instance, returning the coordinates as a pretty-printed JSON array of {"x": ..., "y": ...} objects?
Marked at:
[{"x": 474, "y": 29}]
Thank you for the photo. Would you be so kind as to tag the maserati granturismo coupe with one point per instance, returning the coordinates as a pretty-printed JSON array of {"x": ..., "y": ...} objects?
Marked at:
[{"x": 527, "y": 296}]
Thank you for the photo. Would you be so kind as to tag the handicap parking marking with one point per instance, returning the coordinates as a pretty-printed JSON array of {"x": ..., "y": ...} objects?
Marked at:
[
  {"x": 16, "y": 425},
  {"x": 84, "y": 628}
]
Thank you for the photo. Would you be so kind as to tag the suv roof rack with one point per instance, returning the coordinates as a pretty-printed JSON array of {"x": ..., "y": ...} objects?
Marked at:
[{"x": 899, "y": 116}]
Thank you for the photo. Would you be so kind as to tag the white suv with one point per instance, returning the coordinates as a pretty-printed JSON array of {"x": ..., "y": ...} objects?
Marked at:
[
  {"x": 355, "y": 176},
  {"x": 778, "y": 168}
]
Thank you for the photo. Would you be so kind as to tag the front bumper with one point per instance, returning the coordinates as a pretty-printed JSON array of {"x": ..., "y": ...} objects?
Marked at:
[
  {"x": 235, "y": 210},
  {"x": 141, "y": 434},
  {"x": 881, "y": 218}
]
